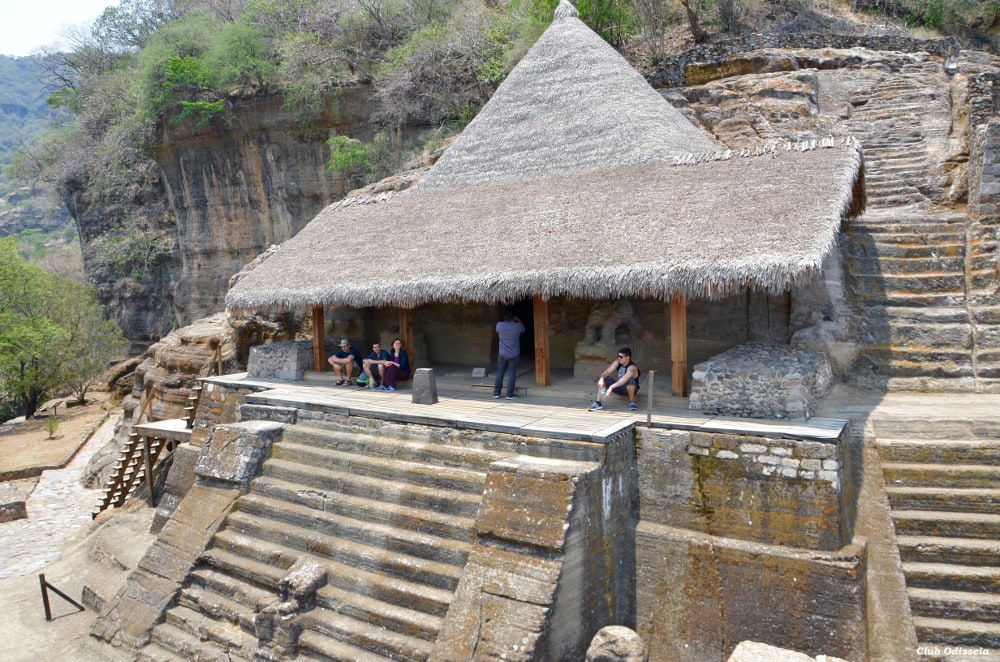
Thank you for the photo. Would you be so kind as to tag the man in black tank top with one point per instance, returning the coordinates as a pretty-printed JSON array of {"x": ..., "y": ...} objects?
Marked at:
[{"x": 621, "y": 377}]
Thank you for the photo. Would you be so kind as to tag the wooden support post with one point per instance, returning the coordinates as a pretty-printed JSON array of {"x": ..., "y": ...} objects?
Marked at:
[
  {"x": 678, "y": 345},
  {"x": 148, "y": 465},
  {"x": 406, "y": 335},
  {"x": 319, "y": 339},
  {"x": 543, "y": 364}
]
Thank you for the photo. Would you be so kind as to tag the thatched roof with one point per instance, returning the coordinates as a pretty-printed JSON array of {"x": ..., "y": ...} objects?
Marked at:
[
  {"x": 571, "y": 104},
  {"x": 576, "y": 178},
  {"x": 706, "y": 229}
]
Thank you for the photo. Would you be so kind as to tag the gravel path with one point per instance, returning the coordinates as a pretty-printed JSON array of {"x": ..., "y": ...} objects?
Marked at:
[{"x": 59, "y": 511}]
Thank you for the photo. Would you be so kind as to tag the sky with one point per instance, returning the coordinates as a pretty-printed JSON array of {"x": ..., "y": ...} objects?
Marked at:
[{"x": 27, "y": 25}]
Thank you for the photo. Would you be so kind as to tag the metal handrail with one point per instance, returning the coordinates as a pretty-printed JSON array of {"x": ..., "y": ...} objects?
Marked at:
[{"x": 46, "y": 587}]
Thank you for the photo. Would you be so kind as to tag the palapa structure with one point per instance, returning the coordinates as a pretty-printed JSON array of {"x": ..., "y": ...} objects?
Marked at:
[{"x": 576, "y": 178}]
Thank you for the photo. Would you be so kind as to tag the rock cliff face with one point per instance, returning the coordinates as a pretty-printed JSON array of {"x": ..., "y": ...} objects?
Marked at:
[{"x": 208, "y": 202}]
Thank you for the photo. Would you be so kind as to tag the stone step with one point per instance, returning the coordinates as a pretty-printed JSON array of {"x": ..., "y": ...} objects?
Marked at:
[
  {"x": 942, "y": 523},
  {"x": 959, "y": 551},
  {"x": 957, "y": 633},
  {"x": 409, "y": 450},
  {"x": 394, "y": 645},
  {"x": 177, "y": 644},
  {"x": 880, "y": 284},
  {"x": 935, "y": 261},
  {"x": 914, "y": 230},
  {"x": 940, "y": 474},
  {"x": 885, "y": 330},
  {"x": 931, "y": 384},
  {"x": 915, "y": 315},
  {"x": 237, "y": 590},
  {"x": 915, "y": 199},
  {"x": 877, "y": 300},
  {"x": 933, "y": 367},
  {"x": 983, "y": 426},
  {"x": 379, "y": 614},
  {"x": 464, "y": 504},
  {"x": 384, "y": 468},
  {"x": 961, "y": 605},
  {"x": 944, "y": 576},
  {"x": 424, "y": 544},
  {"x": 217, "y": 606},
  {"x": 232, "y": 562},
  {"x": 219, "y": 634},
  {"x": 867, "y": 246},
  {"x": 313, "y": 645},
  {"x": 282, "y": 544},
  {"x": 391, "y": 590},
  {"x": 959, "y": 451},
  {"x": 966, "y": 500},
  {"x": 369, "y": 510}
]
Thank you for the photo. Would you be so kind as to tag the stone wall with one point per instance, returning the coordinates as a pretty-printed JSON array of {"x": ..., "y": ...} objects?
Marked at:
[
  {"x": 672, "y": 72},
  {"x": 746, "y": 537},
  {"x": 553, "y": 560},
  {"x": 764, "y": 489},
  {"x": 762, "y": 380}
]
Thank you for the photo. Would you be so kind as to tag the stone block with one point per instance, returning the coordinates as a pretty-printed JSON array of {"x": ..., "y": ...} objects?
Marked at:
[
  {"x": 424, "y": 387},
  {"x": 696, "y": 592},
  {"x": 12, "y": 504},
  {"x": 234, "y": 453},
  {"x": 284, "y": 360},
  {"x": 762, "y": 380}
]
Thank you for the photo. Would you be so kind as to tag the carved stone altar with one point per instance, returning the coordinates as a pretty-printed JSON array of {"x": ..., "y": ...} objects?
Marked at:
[{"x": 609, "y": 325}]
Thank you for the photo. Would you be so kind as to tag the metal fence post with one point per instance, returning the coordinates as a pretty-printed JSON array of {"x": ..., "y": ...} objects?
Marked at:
[{"x": 649, "y": 407}]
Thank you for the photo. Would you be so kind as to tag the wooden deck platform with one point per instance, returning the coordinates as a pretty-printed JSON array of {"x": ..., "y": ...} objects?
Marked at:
[
  {"x": 173, "y": 428},
  {"x": 544, "y": 415}
]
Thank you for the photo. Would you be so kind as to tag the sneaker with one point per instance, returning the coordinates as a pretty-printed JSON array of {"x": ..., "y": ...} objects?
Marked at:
[
  {"x": 512, "y": 397},
  {"x": 496, "y": 396},
  {"x": 390, "y": 389},
  {"x": 632, "y": 406},
  {"x": 381, "y": 388},
  {"x": 597, "y": 406}
]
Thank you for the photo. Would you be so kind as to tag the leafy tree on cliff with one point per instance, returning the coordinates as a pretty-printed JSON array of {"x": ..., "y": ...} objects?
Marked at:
[{"x": 52, "y": 333}]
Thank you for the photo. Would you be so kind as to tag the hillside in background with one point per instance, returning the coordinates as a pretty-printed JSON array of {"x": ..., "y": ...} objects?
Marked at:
[
  {"x": 285, "y": 106},
  {"x": 32, "y": 209}
]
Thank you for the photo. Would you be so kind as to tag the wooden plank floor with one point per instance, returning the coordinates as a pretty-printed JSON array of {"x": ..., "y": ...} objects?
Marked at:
[{"x": 535, "y": 416}]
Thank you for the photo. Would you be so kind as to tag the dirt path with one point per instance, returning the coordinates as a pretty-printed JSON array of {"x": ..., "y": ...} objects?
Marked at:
[{"x": 59, "y": 539}]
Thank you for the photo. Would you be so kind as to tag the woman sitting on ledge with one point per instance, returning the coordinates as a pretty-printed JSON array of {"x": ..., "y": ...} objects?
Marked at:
[{"x": 396, "y": 368}]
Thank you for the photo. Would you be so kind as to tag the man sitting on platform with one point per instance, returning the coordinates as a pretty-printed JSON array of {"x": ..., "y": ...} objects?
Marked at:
[
  {"x": 626, "y": 380},
  {"x": 373, "y": 365},
  {"x": 346, "y": 363}
]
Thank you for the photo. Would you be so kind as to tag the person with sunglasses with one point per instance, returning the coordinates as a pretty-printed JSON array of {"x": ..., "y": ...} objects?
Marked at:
[{"x": 621, "y": 377}]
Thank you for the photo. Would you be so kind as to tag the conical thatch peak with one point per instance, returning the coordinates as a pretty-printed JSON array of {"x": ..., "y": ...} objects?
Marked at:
[
  {"x": 565, "y": 9},
  {"x": 572, "y": 104}
]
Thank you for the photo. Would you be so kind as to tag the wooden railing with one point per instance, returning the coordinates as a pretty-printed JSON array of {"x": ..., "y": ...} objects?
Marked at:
[{"x": 140, "y": 453}]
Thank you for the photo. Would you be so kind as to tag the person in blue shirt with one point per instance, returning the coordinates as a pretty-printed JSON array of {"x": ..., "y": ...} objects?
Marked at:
[
  {"x": 346, "y": 363},
  {"x": 374, "y": 363},
  {"x": 396, "y": 368},
  {"x": 509, "y": 329}
]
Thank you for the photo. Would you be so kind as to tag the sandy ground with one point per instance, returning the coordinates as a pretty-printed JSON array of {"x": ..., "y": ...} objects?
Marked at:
[{"x": 59, "y": 542}]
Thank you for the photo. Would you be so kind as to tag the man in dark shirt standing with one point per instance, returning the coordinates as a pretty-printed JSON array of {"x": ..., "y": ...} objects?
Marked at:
[{"x": 509, "y": 330}]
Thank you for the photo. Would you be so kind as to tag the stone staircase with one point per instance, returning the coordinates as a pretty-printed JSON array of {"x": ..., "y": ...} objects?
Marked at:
[
  {"x": 943, "y": 484},
  {"x": 920, "y": 322},
  {"x": 389, "y": 520}
]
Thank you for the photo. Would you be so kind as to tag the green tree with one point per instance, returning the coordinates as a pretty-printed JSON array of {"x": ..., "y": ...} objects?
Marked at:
[
  {"x": 53, "y": 335},
  {"x": 28, "y": 338}
]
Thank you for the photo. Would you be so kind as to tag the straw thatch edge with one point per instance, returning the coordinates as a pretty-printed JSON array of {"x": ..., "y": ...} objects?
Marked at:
[{"x": 691, "y": 280}]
